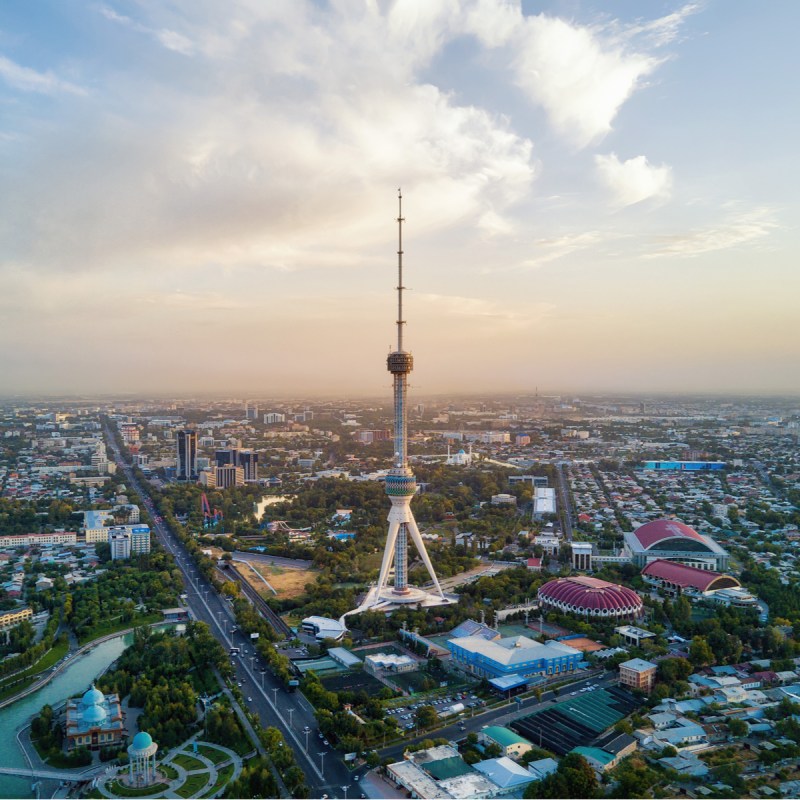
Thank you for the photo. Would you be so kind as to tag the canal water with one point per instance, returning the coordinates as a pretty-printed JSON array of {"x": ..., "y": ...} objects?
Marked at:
[{"x": 73, "y": 680}]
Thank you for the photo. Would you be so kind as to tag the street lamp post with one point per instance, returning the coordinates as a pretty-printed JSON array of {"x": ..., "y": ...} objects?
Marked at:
[
  {"x": 275, "y": 696},
  {"x": 322, "y": 762},
  {"x": 262, "y": 679},
  {"x": 344, "y": 789},
  {"x": 307, "y": 732},
  {"x": 291, "y": 711}
]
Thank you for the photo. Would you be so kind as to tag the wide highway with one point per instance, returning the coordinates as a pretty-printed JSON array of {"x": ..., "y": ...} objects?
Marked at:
[{"x": 289, "y": 712}]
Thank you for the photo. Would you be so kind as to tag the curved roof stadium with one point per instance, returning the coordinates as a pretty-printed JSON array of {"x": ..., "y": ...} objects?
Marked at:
[
  {"x": 673, "y": 540},
  {"x": 654, "y": 533},
  {"x": 590, "y": 597},
  {"x": 680, "y": 575}
]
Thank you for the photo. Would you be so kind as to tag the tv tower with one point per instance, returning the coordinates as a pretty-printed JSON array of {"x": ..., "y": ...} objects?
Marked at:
[{"x": 401, "y": 485}]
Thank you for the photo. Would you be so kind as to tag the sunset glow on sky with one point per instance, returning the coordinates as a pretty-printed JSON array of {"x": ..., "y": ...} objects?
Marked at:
[{"x": 201, "y": 195}]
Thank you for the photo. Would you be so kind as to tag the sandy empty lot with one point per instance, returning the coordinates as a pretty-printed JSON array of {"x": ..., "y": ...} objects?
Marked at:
[{"x": 286, "y": 582}]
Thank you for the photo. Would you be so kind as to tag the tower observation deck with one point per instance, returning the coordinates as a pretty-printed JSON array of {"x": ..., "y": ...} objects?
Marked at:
[{"x": 401, "y": 485}]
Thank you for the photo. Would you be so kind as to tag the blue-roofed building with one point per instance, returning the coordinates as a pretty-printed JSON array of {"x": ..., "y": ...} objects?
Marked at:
[
  {"x": 600, "y": 760},
  {"x": 510, "y": 778},
  {"x": 514, "y": 655},
  {"x": 509, "y": 685},
  {"x": 511, "y": 744},
  {"x": 472, "y": 628},
  {"x": 94, "y": 721}
]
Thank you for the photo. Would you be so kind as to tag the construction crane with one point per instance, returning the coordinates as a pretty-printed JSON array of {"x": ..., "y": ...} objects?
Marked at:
[{"x": 211, "y": 518}]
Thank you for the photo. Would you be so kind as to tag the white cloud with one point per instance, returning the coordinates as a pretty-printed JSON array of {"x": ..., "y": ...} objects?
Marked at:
[
  {"x": 579, "y": 79},
  {"x": 547, "y": 250},
  {"x": 634, "y": 180},
  {"x": 579, "y": 74},
  {"x": 738, "y": 229},
  {"x": 29, "y": 80},
  {"x": 170, "y": 39},
  {"x": 280, "y": 147},
  {"x": 661, "y": 31}
]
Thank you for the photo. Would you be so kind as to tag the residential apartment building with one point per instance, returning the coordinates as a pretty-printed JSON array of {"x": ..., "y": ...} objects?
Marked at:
[
  {"x": 638, "y": 674},
  {"x": 29, "y": 539}
]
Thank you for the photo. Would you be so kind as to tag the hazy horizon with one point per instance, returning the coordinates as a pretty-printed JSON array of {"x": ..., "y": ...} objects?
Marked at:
[{"x": 201, "y": 197}]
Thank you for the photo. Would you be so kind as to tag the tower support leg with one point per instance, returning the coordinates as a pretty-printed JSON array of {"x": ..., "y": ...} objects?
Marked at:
[
  {"x": 415, "y": 535},
  {"x": 388, "y": 555}
]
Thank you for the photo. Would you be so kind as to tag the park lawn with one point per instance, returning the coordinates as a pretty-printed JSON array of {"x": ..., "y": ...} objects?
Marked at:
[
  {"x": 223, "y": 776},
  {"x": 214, "y": 755},
  {"x": 115, "y": 787},
  {"x": 188, "y": 762},
  {"x": 193, "y": 784},
  {"x": 113, "y": 627},
  {"x": 168, "y": 771}
]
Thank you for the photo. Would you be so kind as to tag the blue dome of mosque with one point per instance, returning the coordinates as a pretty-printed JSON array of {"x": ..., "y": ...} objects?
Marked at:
[
  {"x": 93, "y": 697},
  {"x": 141, "y": 741},
  {"x": 94, "y": 715}
]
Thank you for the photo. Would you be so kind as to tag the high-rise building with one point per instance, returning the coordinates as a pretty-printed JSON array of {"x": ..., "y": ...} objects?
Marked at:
[
  {"x": 224, "y": 457},
  {"x": 120, "y": 541},
  {"x": 128, "y": 540},
  {"x": 186, "y": 465},
  {"x": 250, "y": 410},
  {"x": 140, "y": 540},
  {"x": 227, "y": 476},
  {"x": 246, "y": 459},
  {"x": 401, "y": 486}
]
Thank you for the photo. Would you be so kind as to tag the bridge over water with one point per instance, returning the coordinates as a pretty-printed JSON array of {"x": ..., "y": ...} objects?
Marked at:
[{"x": 54, "y": 775}]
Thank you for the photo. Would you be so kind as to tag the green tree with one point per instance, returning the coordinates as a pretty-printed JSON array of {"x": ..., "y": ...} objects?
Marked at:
[
  {"x": 738, "y": 727},
  {"x": 426, "y": 717},
  {"x": 700, "y": 653}
]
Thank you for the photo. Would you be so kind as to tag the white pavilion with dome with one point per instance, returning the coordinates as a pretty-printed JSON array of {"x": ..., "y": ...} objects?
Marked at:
[{"x": 142, "y": 754}]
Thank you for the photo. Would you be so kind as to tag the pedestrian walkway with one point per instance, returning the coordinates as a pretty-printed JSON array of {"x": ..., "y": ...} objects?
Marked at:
[{"x": 209, "y": 772}]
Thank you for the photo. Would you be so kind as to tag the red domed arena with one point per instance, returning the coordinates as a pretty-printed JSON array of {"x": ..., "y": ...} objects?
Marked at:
[{"x": 591, "y": 597}]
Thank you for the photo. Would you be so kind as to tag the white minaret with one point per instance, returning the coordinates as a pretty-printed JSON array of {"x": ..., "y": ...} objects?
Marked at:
[{"x": 401, "y": 486}]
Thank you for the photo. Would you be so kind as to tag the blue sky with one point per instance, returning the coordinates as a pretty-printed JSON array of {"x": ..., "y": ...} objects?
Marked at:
[{"x": 200, "y": 196}]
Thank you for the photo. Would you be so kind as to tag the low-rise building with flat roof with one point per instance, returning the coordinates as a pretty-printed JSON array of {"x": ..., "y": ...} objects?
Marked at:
[
  {"x": 638, "y": 674},
  {"x": 511, "y": 744}
]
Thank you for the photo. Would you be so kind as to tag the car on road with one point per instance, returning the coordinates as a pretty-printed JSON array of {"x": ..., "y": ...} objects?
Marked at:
[
  {"x": 355, "y": 777},
  {"x": 249, "y": 699}
]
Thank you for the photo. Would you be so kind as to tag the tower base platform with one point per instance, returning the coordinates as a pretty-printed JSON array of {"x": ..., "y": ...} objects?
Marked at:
[{"x": 387, "y": 601}]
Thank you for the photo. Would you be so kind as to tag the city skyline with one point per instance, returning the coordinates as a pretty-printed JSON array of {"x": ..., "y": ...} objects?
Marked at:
[{"x": 202, "y": 194}]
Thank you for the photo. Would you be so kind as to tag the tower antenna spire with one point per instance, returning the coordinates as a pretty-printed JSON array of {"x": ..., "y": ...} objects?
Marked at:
[{"x": 400, "y": 287}]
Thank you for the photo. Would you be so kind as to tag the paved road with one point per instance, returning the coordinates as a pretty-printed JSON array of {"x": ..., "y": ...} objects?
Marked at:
[
  {"x": 289, "y": 712},
  {"x": 565, "y": 501}
]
